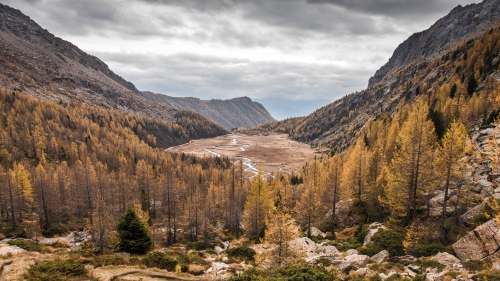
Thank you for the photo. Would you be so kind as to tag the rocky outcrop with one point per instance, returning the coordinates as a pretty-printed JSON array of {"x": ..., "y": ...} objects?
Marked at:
[
  {"x": 373, "y": 229},
  {"x": 460, "y": 23},
  {"x": 381, "y": 257},
  {"x": 446, "y": 259},
  {"x": 480, "y": 243}
]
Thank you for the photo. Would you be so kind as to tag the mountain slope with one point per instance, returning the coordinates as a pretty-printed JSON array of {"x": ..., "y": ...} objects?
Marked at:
[
  {"x": 238, "y": 112},
  {"x": 460, "y": 23},
  {"x": 44, "y": 66},
  {"x": 453, "y": 63}
]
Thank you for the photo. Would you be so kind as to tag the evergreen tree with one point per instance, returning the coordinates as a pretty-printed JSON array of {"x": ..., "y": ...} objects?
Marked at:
[{"x": 134, "y": 236}]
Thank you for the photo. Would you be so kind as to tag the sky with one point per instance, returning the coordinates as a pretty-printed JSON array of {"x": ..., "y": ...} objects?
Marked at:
[{"x": 293, "y": 56}]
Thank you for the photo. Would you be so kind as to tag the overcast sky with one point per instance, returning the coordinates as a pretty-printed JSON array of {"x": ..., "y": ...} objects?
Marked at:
[{"x": 291, "y": 55}]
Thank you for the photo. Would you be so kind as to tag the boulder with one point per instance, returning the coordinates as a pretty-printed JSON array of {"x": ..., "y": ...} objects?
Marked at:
[
  {"x": 351, "y": 252},
  {"x": 479, "y": 243},
  {"x": 372, "y": 230},
  {"x": 218, "y": 250},
  {"x": 345, "y": 214},
  {"x": 468, "y": 217},
  {"x": 305, "y": 245},
  {"x": 446, "y": 259},
  {"x": 218, "y": 268},
  {"x": 11, "y": 250},
  {"x": 330, "y": 251},
  {"x": 381, "y": 257},
  {"x": 316, "y": 232},
  {"x": 358, "y": 260}
]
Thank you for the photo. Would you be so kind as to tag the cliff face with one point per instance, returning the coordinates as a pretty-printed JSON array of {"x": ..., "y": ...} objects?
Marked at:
[
  {"x": 238, "y": 112},
  {"x": 460, "y": 23}
]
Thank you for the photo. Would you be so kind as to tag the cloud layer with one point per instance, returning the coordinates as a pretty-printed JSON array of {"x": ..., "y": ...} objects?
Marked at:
[{"x": 265, "y": 49}]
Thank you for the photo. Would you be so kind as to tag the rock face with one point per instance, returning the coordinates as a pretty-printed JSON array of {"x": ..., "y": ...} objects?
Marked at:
[
  {"x": 479, "y": 243},
  {"x": 372, "y": 230},
  {"x": 458, "y": 24}
]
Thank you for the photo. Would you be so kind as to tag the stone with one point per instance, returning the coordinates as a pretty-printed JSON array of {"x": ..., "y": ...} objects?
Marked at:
[
  {"x": 496, "y": 266},
  {"x": 316, "y": 232},
  {"x": 218, "y": 250},
  {"x": 359, "y": 260},
  {"x": 351, "y": 252},
  {"x": 372, "y": 230},
  {"x": 306, "y": 245},
  {"x": 404, "y": 260},
  {"x": 361, "y": 271},
  {"x": 218, "y": 268},
  {"x": 479, "y": 243},
  {"x": 445, "y": 258},
  {"x": 330, "y": 251},
  {"x": 345, "y": 215},
  {"x": 381, "y": 257},
  {"x": 11, "y": 250},
  {"x": 468, "y": 217}
]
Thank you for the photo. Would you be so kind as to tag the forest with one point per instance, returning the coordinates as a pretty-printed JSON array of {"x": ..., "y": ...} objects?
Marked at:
[{"x": 71, "y": 166}]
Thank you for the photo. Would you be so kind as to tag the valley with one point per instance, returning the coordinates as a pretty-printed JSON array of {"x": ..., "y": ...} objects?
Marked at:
[{"x": 273, "y": 153}]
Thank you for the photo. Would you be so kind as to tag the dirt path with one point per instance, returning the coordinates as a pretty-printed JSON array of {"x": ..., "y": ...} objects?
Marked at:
[
  {"x": 273, "y": 153},
  {"x": 125, "y": 273}
]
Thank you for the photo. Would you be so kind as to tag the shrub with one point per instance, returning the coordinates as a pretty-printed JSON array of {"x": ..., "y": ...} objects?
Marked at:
[
  {"x": 424, "y": 264},
  {"x": 104, "y": 260},
  {"x": 242, "y": 252},
  {"x": 58, "y": 270},
  {"x": 390, "y": 240},
  {"x": 477, "y": 265},
  {"x": 291, "y": 272},
  {"x": 54, "y": 230},
  {"x": 196, "y": 269},
  {"x": 487, "y": 276},
  {"x": 429, "y": 250},
  {"x": 197, "y": 246},
  {"x": 159, "y": 260},
  {"x": 27, "y": 245}
]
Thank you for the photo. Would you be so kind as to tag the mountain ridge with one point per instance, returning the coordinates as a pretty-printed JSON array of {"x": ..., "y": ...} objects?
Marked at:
[
  {"x": 232, "y": 113},
  {"x": 47, "y": 67},
  {"x": 458, "y": 24}
]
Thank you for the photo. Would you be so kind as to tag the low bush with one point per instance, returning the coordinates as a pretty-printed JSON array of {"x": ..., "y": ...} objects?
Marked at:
[
  {"x": 426, "y": 263},
  {"x": 159, "y": 260},
  {"x": 104, "y": 260},
  {"x": 429, "y": 250},
  {"x": 390, "y": 240},
  {"x": 477, "y": 265},
  {"x": 27, "y": 245},
  {"x": 292, "y": 273},
  {"x": 54, "y": 230},
  {"x": 242, "y": 253},
  {"x": 487, "y": 276},
  {"x": 58, "y": 270}
]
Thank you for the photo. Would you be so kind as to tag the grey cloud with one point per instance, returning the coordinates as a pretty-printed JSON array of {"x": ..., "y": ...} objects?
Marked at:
[
  {"x": 216, "y": 77},
  {"x": 396, "y": 8}
]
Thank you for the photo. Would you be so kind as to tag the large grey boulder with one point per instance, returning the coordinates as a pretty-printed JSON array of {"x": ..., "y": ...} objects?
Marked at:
[
  {"x": 479, "y": 243},
  {"x": 381, "y": 257},
  {"x": 372, "y": 230}
]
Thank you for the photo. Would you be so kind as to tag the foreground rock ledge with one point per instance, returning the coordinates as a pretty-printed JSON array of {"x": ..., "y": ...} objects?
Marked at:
[{"x": 480, "y": 243}]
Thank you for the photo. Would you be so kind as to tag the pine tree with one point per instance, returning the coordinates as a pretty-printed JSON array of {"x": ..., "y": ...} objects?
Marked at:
[{"x": 133, "y": 234}]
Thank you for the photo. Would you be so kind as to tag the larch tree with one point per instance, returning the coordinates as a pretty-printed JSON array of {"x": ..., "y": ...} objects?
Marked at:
[
  {"x": 412, "y": 163},
  {"x": 355, "y": 172},
  {"x": 258, "y": 204},
  {"x": 451, "y": 150}
]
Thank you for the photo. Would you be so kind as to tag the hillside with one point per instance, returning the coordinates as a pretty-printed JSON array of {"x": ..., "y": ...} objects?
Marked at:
[
  {"x": 44, "y": 66},
  {"x": 450, "y": 51},
  {"x": 233, "y": 113}
]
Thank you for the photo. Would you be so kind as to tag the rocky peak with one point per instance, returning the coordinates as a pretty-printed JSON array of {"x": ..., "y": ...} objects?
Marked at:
[{"x": 460, "y": 23}]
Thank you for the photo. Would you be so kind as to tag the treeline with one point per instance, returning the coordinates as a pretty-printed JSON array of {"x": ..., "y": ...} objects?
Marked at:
[{"x": 65, "y": 167}]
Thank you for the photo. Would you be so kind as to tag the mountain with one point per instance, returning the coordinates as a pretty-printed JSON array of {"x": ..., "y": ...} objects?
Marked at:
[
  {"x": 459, "y": 49},
  {"x": 233, "y": 113},
  {"x": 47, "y": 67},
  {"x": 460, "y": 23}
]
